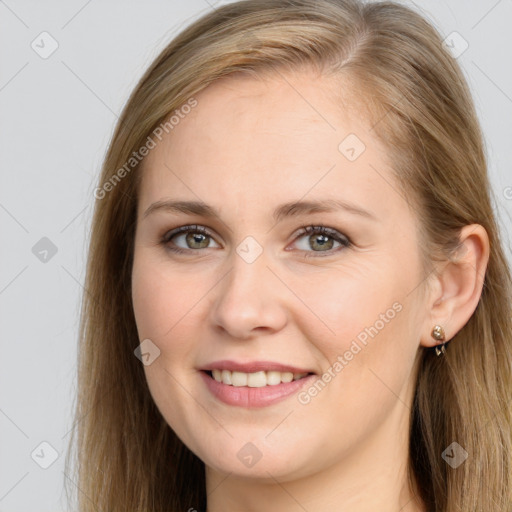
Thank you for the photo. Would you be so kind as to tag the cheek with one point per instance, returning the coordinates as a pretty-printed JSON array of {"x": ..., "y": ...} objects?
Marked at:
[
  {"x": 163, "y": 303},
  {"x": 342, "y": 302},
  {"x": 163, "y": 299},
  {"x": 362, "y": 321}
]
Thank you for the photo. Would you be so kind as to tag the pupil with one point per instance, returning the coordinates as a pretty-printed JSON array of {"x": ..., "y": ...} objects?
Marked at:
[
  {"x": 194, "y": 238},
  {"x": 322, "y": 241}
]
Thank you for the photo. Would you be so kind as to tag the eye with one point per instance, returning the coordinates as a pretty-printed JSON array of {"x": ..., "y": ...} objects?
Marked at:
[
  {"x": 195, "y": 237},
  {"x": 322, "y": 240}
]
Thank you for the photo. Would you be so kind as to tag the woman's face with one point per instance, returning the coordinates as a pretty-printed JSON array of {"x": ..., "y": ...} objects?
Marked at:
[{"x": 253, "y": 291}]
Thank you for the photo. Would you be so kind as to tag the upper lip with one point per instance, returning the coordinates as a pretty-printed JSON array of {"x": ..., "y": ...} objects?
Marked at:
[{"x": 253, "y": 366}]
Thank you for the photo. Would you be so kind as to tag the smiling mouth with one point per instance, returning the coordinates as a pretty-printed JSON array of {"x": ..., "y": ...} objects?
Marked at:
[{"x": 254, "y": 380}]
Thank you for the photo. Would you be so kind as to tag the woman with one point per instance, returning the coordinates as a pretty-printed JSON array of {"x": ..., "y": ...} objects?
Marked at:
[{"x": 224, "y": 363}]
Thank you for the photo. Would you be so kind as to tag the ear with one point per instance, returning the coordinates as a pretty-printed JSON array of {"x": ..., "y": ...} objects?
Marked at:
[{"x": 456, "y": 290}]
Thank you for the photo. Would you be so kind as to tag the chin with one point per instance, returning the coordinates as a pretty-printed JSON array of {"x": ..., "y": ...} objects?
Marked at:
[{"x": 254, "y": 462}]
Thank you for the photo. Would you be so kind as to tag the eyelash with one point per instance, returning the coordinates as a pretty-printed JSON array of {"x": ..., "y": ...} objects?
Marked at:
[{"x": 304, "y": 230}]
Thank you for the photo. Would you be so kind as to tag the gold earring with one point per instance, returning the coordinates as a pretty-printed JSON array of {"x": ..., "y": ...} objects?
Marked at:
[{"x": 438, "y": 334}]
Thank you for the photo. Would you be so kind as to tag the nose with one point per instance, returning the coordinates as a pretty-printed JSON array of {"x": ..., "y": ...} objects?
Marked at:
[{"x": 249, "y": 300}]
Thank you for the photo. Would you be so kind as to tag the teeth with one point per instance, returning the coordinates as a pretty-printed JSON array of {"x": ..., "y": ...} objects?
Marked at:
[
  {"x": 238, "y": 379},
  {"x": 273, "y": 378},
  {"x": 226, "y": 377},
  {"x": 255, "y": 380}
]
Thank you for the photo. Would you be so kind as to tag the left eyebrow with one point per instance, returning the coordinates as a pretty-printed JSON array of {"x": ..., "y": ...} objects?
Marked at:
[
  {"x": 296, "y": 208},
  {"x": 291, "y": 209}
]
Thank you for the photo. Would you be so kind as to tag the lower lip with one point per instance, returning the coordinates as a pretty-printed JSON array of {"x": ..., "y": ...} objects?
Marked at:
[{"x": 245, "y": 396}]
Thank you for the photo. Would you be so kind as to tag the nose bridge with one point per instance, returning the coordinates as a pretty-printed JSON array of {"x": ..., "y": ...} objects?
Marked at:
[
  {"x": 246, "y": 298},
  {"x": 248, "y": 263}
]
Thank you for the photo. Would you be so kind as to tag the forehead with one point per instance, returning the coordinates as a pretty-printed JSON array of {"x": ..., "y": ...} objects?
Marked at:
[{"x": 252, "y": 141}]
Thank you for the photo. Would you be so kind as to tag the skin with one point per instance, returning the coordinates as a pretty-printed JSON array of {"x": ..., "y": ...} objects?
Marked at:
[{"x": 249, "y": 146}]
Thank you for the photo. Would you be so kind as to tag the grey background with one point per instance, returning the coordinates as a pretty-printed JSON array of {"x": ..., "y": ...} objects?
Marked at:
[{"x": 56, "y": 117}]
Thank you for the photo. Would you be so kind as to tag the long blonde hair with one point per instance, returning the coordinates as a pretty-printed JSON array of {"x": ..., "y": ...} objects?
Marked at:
[{"x": 122, "y": 455}]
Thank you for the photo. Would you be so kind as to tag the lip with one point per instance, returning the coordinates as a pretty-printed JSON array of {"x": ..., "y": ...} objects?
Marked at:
[
  {"x": 253, "y": 366},
  {"x": 252, "y": 398}
]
